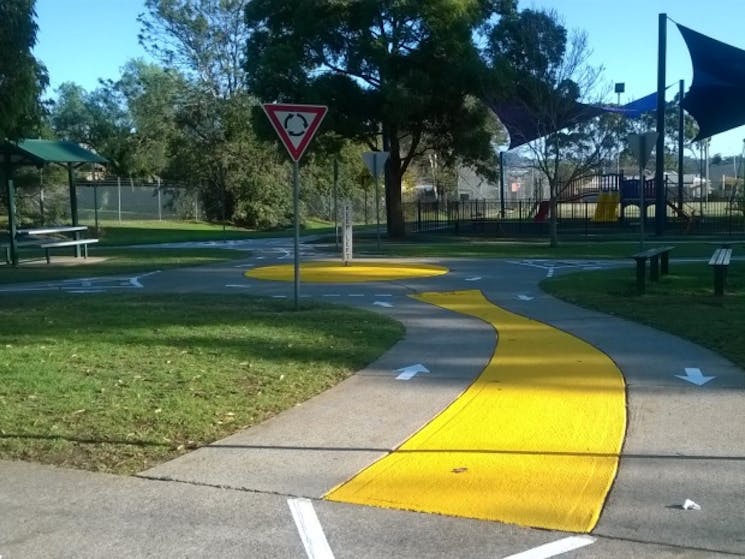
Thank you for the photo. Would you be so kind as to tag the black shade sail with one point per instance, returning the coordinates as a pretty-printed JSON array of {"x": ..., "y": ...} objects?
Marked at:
[
  {"x": 716, "y": 98},
  {"x": 525, "y": 123}
]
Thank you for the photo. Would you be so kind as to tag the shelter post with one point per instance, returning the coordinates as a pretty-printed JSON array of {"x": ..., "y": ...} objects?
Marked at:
[
  {"x": 73, "y": 203},
  {"x": 7, "y": 175},
  {"x": 660, "y": 210}
]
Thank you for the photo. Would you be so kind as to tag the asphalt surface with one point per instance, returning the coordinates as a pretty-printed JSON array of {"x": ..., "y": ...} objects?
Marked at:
[{"x": 235, "y": 497}]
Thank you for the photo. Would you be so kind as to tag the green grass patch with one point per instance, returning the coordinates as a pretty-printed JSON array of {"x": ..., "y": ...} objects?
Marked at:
[
  {"x": 115, "y": 261},
  {"x": 114, "y": 233},
  {"x": 118, "y": 383},
  {"x": 681, "y": 303}
]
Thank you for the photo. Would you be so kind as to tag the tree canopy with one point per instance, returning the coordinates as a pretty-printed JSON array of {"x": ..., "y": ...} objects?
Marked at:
[
  {"x": 22, "y": 77},
  {"x": 402, "y": 75}
]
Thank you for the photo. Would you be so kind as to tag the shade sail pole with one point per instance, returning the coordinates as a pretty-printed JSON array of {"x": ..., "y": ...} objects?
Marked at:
[
  {"x": 660, "y": 210},
  {"x": 681, "y": 131}
]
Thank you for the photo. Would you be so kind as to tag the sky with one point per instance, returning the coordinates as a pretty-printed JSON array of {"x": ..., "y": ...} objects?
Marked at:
[{"x": 83, "y": 41}]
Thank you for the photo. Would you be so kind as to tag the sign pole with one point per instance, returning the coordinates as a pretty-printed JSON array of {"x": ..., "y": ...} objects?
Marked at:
[
  {"x": 377, "y": 203},
  {"x": 296, "y": 244},
  {"x": 642, "y": 201}
]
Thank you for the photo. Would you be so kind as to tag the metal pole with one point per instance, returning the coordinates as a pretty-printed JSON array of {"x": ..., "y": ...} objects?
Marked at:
[
  {"x": 73, "y": 205},
  {"x": 680, "y": 147},
  {"x": 642, "y": 201},
  {"x": 95, "y": 204},
  {"x": 336, "y": 208},
  {"x": 296, "y": 244},
  {"x": 501, "y": 184},
  {"x": 660, "y": 155},
  {"x": 160, "y": 203},
  {"x": 377, "y": 200},
  {"x": 119, "y": 198}
]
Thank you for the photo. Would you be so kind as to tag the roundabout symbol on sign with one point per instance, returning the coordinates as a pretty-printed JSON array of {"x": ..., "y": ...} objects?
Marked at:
[{"x": 295, "y": 124}]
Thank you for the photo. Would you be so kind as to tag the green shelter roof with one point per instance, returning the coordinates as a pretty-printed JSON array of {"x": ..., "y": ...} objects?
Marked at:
[{"x": 40, "y": 152}]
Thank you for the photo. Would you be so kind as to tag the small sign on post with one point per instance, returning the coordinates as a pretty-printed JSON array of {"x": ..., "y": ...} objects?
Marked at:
[
  {"x": 641, "y": 146},
  {"x": 375, "y": 161},
  {"x": 347, "y": 237},
  {"x": 295, "y": 125}
]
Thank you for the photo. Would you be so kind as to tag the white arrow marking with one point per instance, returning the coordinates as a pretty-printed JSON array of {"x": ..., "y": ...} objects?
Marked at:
[
  {"x": 695, "y": 376},
  {"x": 555, "y": 548},
  {"x": 408, "y": 373},
  {"x": 310, "y": 530},
  {"x": 383, "y": 304},
  {"x": 474, "y": 278},
  {"x": 525, "y": 297}
]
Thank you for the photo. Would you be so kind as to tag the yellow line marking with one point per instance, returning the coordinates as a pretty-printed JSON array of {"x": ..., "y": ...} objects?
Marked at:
[
  {"x": 337, "y": 272},
  {"x": 533, "y": 441}
]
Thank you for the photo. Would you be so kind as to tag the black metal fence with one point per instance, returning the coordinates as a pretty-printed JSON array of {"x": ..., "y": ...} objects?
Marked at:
[{"x": 588, "y": 216}]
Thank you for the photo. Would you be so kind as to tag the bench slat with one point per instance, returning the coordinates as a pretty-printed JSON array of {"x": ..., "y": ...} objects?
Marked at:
[
  {"x": 721, "y": 257},
  {"x": 69, "y": 243}
]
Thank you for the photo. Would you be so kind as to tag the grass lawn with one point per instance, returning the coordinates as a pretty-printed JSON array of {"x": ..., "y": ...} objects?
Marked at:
[
  {"x": 681, "y": 303},
  {"x": 114, "y": 233},
  {"x": 118, "y": 383}
]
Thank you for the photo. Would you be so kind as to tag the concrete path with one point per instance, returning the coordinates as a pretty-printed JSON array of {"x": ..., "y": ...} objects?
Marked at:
[{"x": 236, "y": 498}]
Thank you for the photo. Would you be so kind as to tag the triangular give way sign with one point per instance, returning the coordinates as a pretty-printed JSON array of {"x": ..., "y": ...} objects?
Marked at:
[{"x": 295, "y": 124}]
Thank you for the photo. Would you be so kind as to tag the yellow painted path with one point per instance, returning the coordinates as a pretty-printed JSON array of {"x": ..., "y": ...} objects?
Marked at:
[
  {"x": 533, "y": 441},
  {"x": 337, "y": 272}
]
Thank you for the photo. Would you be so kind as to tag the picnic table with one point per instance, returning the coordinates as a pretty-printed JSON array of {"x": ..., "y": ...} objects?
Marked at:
[{"x": 56, "y": 236}]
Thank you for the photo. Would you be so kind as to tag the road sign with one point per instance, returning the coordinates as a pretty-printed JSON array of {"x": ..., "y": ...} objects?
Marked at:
[
  {"x": 295, "y": 124},
  {"x": 375, "y": 161},
  {"x": 641, "y": 146}
]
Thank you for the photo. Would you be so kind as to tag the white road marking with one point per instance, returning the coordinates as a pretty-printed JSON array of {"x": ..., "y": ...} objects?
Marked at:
[
  {"x": 237, "y": 286},
  {"x": 695, "y": 376},
  {"x": 408, "y": 373},
  {"x": 474, "y": 278},
  {"x": 550, "y": 273},
  {"x": 383, "y": 304},
  {"x": 553, "y": 549},
  {"x": 310, "y": 530},
  {"x": 331, "y": 295},
  {"x": 525, "y": 297},
  {"x": 383, "y": 295}
]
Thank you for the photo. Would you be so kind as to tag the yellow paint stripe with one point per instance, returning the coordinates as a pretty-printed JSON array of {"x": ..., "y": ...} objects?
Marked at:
[
  {"x": 337, "y": 272},
  {"x": 533, "y": 441}
]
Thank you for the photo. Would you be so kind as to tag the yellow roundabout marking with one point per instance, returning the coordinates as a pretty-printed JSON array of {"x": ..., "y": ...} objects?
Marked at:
[
  {"x": 535, "y": 440},
  {"x": 337, "y": 272}
]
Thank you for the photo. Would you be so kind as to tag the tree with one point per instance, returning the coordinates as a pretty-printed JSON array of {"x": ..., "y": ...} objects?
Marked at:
[
  {"x": 22, "y": 77},
  {"x": 550, "y": 75},
  {"x": 396, "y": 75},
  {"x": 151, "y": 96},
  {"x": 96, "y": 120},
  {"x": 215, "y": 149}
]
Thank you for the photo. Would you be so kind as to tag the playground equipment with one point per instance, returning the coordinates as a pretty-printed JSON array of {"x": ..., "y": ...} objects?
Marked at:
[
  {"x": 542, "y": 212},
  {"x": 606, "y": 209}
]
